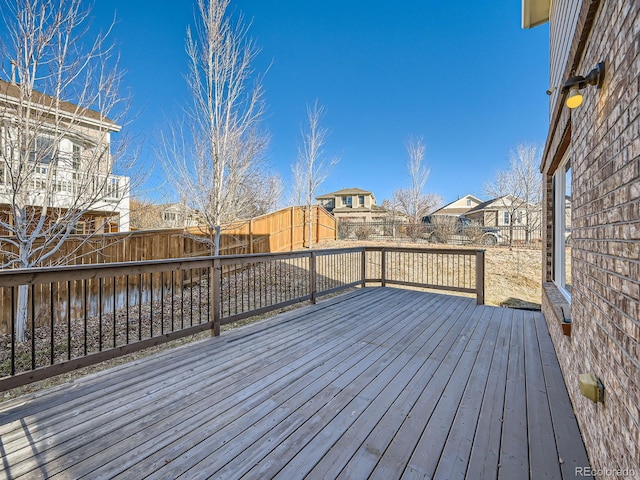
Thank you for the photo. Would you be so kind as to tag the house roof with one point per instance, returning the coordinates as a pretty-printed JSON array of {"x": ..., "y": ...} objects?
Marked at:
[
  {"x": 535, "y": 12},
  {"x": 345, "y": 191},
  {"x": 457, "y": 209},
  {"x": 9, "y": 91},
  {"x": 490, "y": 203}
]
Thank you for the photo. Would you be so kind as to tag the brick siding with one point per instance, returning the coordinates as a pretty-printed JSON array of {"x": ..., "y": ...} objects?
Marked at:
[{"x": 605, "y": 305}]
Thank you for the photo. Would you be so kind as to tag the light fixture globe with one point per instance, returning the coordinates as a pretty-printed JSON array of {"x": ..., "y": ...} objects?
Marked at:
[
  {"x": 595, "y": 77},
  {"x": 574, "y": 99}
]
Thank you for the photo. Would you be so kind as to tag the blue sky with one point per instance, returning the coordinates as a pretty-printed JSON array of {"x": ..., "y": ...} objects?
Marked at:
[{"x": 463, "y": 75}]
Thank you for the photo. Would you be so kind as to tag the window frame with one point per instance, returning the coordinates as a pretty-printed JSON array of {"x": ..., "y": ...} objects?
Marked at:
[
  {"x": 76, "y": 156},
  {"x": 51, "y": 156},
  {"x": 559, "y": 225}
]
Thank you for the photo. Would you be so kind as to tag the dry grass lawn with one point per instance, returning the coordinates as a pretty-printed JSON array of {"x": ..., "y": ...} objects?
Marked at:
[{"x": 512, "y": 276}]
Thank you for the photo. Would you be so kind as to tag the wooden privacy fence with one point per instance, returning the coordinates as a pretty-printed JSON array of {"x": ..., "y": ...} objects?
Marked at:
[
  {"x": 281, "y": 231},
  {"x": 84, "y": 314}
]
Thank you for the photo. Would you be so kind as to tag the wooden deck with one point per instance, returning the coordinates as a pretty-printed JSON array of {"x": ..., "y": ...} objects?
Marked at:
[{"x": 379, "y": 383}]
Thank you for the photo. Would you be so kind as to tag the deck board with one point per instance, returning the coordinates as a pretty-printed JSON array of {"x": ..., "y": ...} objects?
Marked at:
[{"x": 378, "y": 383}]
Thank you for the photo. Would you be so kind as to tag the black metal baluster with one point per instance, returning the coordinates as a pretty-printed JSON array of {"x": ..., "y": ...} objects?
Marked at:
[
  {"x": 52, "y": 324},
  {"x": 173, "y": 279},
  {"x": 114, "y": 313},
  {"x": 151, "y": 305},
  {"x": 162, "y": 303},
  {"x": 69, "y": 319},
  {"x": 13, "y": 331},
  {"x": 85, "y": 309},
  {"x": 100, "y": 314},
  {"x": 126, "y": 307},
  {"x": 139, "y": 306},
  {"x": 33, "y": 328}
]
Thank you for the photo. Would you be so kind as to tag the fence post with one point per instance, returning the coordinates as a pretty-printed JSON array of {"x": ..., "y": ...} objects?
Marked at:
[
  {"x": 216, "y": 288},
  {"x": 383, "y": 266},
  {"x": 317, "y": 224},
  {"x": 293, "y": 228},
  {"x": 312, "y": 277},
  {"x": 251, "y": 235},
  {"x": 363, "y": 268},
  {"x": 480, "y": 277}
]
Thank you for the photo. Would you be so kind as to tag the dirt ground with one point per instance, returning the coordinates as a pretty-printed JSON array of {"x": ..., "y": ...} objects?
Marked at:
[{"x": 512, "y": 275}]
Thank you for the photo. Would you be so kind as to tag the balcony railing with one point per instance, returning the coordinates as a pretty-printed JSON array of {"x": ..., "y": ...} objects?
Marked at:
[
  {"x": 81, "y": 315},
  {"x": 73, "y": 183}
]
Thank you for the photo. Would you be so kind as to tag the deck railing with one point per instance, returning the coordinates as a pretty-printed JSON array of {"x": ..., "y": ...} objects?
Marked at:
[{"x": 76, "y": 316}]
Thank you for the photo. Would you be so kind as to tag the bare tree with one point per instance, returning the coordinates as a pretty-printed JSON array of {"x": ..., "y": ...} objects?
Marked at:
[
  {"x": 312, "y": 166},
  {"x": 519, "y": 189},
  {"x": 413, "y": 202},
  {"x": 214, "y": 158},
  {"x": 56, "y": 155}
]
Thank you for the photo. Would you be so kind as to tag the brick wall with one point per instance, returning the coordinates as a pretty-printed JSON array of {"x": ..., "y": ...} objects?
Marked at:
[{"x": 604, "y": 134}]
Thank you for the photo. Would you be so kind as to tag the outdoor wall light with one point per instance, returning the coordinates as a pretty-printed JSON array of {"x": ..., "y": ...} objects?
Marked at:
[{"x": 577, "y": 83}]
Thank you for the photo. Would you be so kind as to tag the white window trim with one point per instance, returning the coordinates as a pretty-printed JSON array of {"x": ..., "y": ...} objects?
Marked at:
[{"x": 559, "y": 228}]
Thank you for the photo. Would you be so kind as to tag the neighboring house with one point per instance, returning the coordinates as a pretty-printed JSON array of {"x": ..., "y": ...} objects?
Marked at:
[
  {"x": 505, "y": 211},
  {"x": 58, "y": 161},
  {"x": 591, "y": 163},
  {"x": 353, "y": 204},
  {"x": 178, "y": 215},
  {"x": 152, "y": 216},
  {"x": 459, "y": 207}
]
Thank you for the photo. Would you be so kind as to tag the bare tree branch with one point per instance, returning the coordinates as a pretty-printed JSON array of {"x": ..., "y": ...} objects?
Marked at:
[
  {"x": 57, "y": 114},
  {"x": 518, "y": 190},
  {"x": 312, "y": 167},
  {"x": 413, "y": 202},
  {"x": 214, "y": 158}
]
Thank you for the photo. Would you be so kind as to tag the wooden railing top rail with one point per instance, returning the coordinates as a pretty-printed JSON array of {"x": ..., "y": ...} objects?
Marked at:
[
  {"x": 444, "y": 251},
  {"x": 29, "y": 276}
]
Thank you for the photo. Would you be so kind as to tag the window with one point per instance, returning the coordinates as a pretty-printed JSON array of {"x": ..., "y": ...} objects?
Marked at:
[
  {"x": 113, "y": 188},
  {"x": 562, "y": 227},
  {"x": 468, "y": 202},
  {"x": 42, "y": 150},
  {"x": 361, "y": 200},
  {"x": 79, "y": 228},
  {"x": 75, "y": 157},
  {"x": 170, "y": 216},
  {"x": 506, "y": 218},
  {"x": 347, "y": 201}
]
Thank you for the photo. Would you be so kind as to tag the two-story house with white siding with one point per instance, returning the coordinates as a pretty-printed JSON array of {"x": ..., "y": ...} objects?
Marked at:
[
  {"x": 56, "y": 156},
  {"x": 354, "y": 204}
]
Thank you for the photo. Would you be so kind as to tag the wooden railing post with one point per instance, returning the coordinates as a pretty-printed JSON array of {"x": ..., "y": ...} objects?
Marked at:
[
  {"x": 383, "y": 267},
  {"x": 480, "y": 277},
  {"x": 363, "y": 268},
  {"x": 216, "y": 288},
  {"x": 312, "y": 277}
]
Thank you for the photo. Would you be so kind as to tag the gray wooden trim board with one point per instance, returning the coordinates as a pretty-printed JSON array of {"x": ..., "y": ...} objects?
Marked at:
[{"x": 376, "y": 383}]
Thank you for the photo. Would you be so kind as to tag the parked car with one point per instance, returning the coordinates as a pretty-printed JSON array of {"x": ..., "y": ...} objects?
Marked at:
[{"x": 458, "y": 229}]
